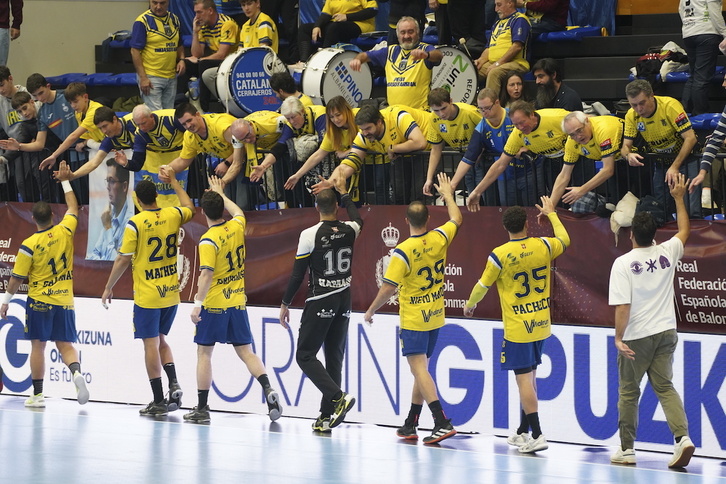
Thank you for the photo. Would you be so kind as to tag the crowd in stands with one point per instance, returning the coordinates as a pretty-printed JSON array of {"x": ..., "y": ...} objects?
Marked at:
[{"x": 520, "y": 140}]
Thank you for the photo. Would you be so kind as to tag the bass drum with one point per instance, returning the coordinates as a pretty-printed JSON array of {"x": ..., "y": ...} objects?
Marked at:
[
  {"x": 327, "y": 75},
  {"x": 456, "y": 74},
  {"x": 243, "y": 81}
]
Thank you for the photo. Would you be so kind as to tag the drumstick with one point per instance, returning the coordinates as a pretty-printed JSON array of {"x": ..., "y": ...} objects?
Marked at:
[{"x": 462, "y": 42}]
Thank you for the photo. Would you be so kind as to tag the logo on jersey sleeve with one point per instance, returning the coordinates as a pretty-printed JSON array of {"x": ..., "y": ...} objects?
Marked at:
[{"x": 681, "y": 120}]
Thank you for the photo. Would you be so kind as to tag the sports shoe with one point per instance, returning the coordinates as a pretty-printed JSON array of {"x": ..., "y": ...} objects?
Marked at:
[
  {"x": 440, "y": 433},
  {"x": 35, "y": 401},
  {"x": 407, "y": 431},
  {"x": 342, "y": 407},
  {"x": 624, "y": 457},
  {"x": 322, "y": 424},
  {"x": 273, "y": 404},
  {"x": 682, "y": 453},
  {"x": 518, "y": 440},
  {"x": 198, "y": 415},
  {"x": 534, "y": 445},
  {"x": 154, "y": 410},
  {"x": 81, "y": 390},
  {"x": 173, "y": 400}
]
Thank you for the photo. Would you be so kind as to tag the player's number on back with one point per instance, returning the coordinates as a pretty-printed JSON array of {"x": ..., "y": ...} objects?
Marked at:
[
  {"x": 170, "y": 249},
  {"x": 239, "y": 255},
  {"x": 52, "y": 264},
  {"x": 535, "y": 279},
  {"x": 337, "y": 261},
  {"x": 433, "y": 277}
]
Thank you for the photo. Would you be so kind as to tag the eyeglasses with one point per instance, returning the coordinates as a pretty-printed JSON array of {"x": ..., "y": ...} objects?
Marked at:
[
  {"x": 486, "y": 109},
  {"x": 577, "y": 132}
]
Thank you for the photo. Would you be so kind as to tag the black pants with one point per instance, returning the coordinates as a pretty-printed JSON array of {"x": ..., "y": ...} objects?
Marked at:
[
  {"x": 332, "y": 33},
  {"x": 324, "y": 324}
]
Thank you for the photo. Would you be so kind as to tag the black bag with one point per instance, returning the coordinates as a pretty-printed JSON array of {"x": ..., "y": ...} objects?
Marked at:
[{"x": 653, "y": 206}]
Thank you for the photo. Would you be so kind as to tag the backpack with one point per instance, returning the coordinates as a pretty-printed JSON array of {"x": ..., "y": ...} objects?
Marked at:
[{"x": 653, "y": 206}]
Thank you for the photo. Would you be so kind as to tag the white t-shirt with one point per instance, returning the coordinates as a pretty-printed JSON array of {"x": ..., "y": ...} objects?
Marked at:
[
  {"x": 643, "y": 278},
  {"x": 701, "y": 17}
]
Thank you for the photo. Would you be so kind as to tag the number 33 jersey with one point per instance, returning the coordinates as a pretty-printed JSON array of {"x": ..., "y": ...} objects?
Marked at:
[
  {"x": 417, "y": 268},
  {"x": 151, "y": 237}
]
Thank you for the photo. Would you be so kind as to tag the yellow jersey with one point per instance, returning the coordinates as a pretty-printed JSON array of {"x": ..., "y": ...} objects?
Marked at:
[
  {"x": 158, "y": 40},
  {"x": 260, "y": 32},
  {"x": 46, "y": 260},
  {"x": 506, "y": 31},
  {"x": 546, "y": 139},
  {"x": 214, "y": 142},
  {"x": 417, "y": 268},
  {"x": 151, "y": 238},
  {"x": 225, "y": 31},
  {"x": 662, "y": 130},
  {"x": 607, "y": 138},
  {"x": 85, "y": 120},
  {"x": 222, "y": 250},
  {"x": 457, "y": 132},
  {"x": 408, "y": 80},
  {"x": 332, "y": 7}
]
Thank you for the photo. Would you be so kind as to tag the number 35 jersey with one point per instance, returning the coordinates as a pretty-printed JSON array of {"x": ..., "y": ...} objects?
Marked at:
[
  {"x": 151, "y": 237},
  {"x": 417, "y": 268},
  {"x": 46, "y": 259},
  {"x": 222, "y": 251},
  {"x": 521, "y": 269}
]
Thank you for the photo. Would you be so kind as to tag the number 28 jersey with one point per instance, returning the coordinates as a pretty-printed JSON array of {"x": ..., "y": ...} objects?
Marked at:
[
  {"x": 151, "y": 237},
  {"x": 417, "y": 268},
  {"x": 222, "y": 250}
]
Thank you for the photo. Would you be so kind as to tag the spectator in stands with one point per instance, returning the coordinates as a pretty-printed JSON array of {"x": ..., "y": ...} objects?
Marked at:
[
  {"x": 215, "y": 36},
  {"x": 667, "y": 130},
  {"x": 158, "y": 54},
  {"x": 32, "y": 183},
  {"x": 598, "y": 138},
  {"x": 398, "y": 9},
  {"x": 10, "y": 122},
  {"x": 340, "y": 131},
  {"x": 286, "y": 13},
  {"x": 87, "y": 134},
  {"x": 551, "y": 91},
  {"x": 9, "y": 31},
  {"x": 283, "y": 85},
  {"x": 452, "y": 124},
  {"x": 340, "y": 21},
  {"x": 512, "y": 89},
  {"x": 408, "y": 65},
  {"x": 539, "y": 132},
  {"x": 709, "y": 161},
  {"x": 469, "y": 21},
  {"x": 546, "y": 15},
  {"x": 507, "y": 48},
  {"x": 441, "y": 17},
  {"x": 115, "y": 217},
  {"x": 392, "y": 132},
  {"x": 703, "y": 30}
]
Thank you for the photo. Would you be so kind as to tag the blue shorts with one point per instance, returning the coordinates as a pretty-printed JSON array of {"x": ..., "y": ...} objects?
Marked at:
[
  {"x": 149, "y": 323},
  {"x": 521, "y": 356},
  {"x": 418, "y": 342},
  {"x": 230, "y": 325},
  {"x": 48, "y": 322}
]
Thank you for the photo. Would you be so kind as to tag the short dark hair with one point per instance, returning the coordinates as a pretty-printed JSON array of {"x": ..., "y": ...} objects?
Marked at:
[
  {"x": 20, "y": 98},
  {"x": 282, "y": 81},
  {"x": 514, "y": 219},
  {"x": 634, "y": 88},
  {"x": 644, "y": 228},
  {"x": 213, "y": 205},
  {"x": 368, "y": 114},
  {"x": 326, "y": 201},
  {"x": 439, "y": 96},
  {"x": 417, "y": 214},
  {"x": 207, "y": 4},
  {"x": 122, "y": 173},
  {"x": 146, "y": 192},
  {"x": 526, "y": 107},
  {"x": 4, "y": 73},
  {"x": 35, "y": 82},
  {"x": 104, "y": 114},
  {"x": 42, "y": 213},
  {"x": 185, "y": 108},
  {"x": 74, "y": 90},
  {"x": 549, "y": 66}
]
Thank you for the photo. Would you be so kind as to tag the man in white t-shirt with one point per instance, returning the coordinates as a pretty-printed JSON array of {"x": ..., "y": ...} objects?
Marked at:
[{"x": 641, "y": 289}]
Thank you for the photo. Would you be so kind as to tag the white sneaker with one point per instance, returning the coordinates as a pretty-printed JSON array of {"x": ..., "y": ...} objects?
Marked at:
[
  {"x": 706, "y": 197},
  {"x": 35, "y": 401},
  {"x": 518, "y": 440},
  {"x": 81, "y": 389},
  {"x": 624, "y": 457},
  {"x": 682, "y": 453},
  {"x": 534, "y": 445}
]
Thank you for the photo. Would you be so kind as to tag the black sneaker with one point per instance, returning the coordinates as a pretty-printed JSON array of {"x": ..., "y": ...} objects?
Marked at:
[
  {"x": 342, "y": 407},
  {"x": 407, "y": 431},
  {"x": 198, "y": 415},
  {"x": 322, "y": 424},
  {"x": 440, "y": 433},
  {"x": 173, "y": 400},
  {"x": 154, "y": 410},
  {"x": 273, "y": 404}
]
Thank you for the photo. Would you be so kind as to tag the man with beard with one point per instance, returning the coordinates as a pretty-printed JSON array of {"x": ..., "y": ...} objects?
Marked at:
[
  {"x": 551, "y": 91},
  {"x": 408, "y": 65}
]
